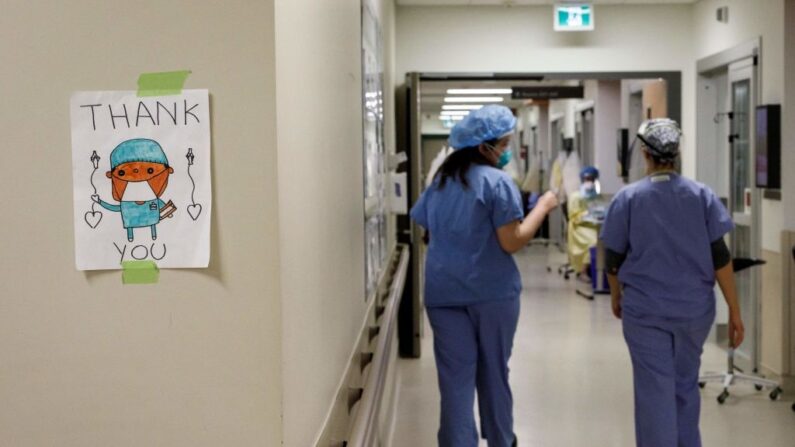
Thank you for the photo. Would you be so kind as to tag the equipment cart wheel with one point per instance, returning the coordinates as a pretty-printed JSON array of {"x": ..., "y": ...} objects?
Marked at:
[
  {"x": 775, "y": 393},
  {"x": 758, "y": 387},
  {"x": 723, "y": 396},
  {"x": 702, "y": 385},
  {"x": 793, "y": 407}
]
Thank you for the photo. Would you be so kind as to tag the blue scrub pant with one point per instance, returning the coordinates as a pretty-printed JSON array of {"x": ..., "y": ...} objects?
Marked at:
[
  {"x": 472, "y": 345},
  {"x": 665, "y": 361}
]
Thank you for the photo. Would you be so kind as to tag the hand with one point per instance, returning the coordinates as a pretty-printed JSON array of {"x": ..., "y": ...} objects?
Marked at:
[
  {"x": 736, "y": 330},
  {"x": 549, "y": 201},
  {"x": 616, "y": 304},
  {"x": 95, "y": 198}
]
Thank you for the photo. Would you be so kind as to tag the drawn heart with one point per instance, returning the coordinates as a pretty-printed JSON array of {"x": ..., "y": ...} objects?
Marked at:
[
  {"x": 93, "y": 218},
  {"x": 194, "y": 211}
]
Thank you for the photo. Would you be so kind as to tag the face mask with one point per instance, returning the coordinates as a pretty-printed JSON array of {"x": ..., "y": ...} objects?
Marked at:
[
  {"x": 138, "y": 192},
  {"x": 504, "y": 159},
  {"x": 588, "y": 190}
]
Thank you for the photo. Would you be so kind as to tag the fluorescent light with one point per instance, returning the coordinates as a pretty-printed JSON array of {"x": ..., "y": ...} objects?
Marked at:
[
  {"x": 462, "y": 107},
  {"x": 479, "y": 91},
  {"x": 455, "y": 112},
  {"x": 474, "y": 99},
  {"x": 451, "y": 117}
]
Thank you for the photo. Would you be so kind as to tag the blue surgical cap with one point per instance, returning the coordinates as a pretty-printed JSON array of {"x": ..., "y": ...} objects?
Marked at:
[
  {"x": 485, "y": 124},
  {"x": 139, "y": 149},
  {"x": 589, "y": 171}
]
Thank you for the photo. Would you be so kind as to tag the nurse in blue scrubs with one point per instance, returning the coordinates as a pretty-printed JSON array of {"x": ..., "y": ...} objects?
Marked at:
[
  {"x": 474, "y": 219},
  {"x": 665, "y": 250}
]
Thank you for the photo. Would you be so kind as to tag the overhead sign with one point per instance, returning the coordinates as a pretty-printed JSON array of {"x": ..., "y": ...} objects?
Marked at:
[
  {"x": 548, "y": 92},
  {"x": 574, "y": 17}
]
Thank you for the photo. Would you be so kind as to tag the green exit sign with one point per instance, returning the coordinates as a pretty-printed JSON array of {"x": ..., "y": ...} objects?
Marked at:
[{"x": 574, "y": 17}]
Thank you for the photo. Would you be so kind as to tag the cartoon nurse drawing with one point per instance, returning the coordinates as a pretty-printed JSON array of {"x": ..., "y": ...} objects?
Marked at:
[{"x": 139, "y": 173}]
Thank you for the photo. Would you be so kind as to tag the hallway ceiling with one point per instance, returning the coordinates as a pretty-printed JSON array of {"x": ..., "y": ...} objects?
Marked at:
[
  {"x": 534, "y": 2},
  {"x": 433, "y": 92}
]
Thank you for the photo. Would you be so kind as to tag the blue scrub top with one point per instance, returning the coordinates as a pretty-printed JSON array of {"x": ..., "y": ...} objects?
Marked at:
[
  {"x": 135, "y": 215},
  {"x": 465, "y": 263},
  {"x": 665, "y": 224}
]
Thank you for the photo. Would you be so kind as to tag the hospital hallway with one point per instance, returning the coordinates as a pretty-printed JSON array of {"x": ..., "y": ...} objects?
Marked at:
[{"x": 572, "y": 379}]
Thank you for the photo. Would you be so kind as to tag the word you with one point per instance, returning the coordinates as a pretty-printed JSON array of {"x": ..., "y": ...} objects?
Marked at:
[{"x": 141, "y": 252}]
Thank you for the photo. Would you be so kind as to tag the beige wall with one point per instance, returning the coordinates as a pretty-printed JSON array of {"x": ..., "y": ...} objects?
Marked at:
[
  {"x": 318, "y": 79},
  {"x": 788, "y": 122},
  {"x": 655, "y": 102},
  {"x": 194, "y": 360},
  {"x": 772, "y": 321}
]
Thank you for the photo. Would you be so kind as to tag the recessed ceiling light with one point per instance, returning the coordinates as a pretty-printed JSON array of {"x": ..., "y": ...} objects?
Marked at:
[
  {"x": 474, "y": 99},
  {"x": 479, "y": 91},
  {"x": 462, "y": 107}
]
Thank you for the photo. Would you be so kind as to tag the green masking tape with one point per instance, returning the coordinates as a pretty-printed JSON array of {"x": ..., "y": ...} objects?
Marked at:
[
  {"x": 162, "y": 84},
  {"x": 139, "y": 272}
]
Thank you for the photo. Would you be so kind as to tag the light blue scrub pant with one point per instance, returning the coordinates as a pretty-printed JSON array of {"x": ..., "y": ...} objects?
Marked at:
[
  {"x": 472, "y": 345},
  {"x": 666, "y": 357}
]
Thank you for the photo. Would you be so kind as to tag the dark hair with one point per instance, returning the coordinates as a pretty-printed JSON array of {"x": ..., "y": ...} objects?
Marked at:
[
  {"x": 457, "y": 164},
  {"x": 663, "y": 161}
]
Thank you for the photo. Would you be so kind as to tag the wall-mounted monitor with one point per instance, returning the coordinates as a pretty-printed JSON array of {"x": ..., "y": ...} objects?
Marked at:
[
  {"x": 574, "y": 17},
  {"x": 768, "y": 146}
]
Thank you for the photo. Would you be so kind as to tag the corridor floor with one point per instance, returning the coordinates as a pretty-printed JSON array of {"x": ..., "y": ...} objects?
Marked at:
[{"x": 572, "y": 379}]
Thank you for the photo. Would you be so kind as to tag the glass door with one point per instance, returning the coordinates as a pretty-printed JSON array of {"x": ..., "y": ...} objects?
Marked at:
[{"x": 744, "y": 204}]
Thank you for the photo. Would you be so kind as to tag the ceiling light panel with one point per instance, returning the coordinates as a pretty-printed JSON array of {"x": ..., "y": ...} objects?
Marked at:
[
  {"x": 465, "y": 99},
  {"x": 461, "y": 106},
  {"x": 479, "y": 91}
]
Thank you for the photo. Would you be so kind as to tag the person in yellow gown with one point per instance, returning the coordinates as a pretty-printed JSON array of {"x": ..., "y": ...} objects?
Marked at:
[{"x": 582, "y": 232}]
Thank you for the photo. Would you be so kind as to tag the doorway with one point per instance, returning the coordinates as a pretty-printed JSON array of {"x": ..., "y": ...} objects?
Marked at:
[{"x": 727, "y": 96}]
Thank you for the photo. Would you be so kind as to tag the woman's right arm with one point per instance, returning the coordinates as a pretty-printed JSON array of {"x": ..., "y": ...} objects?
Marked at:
[
  {"x": 725, "y": 277},
  {"x": 515, "y": 235}
]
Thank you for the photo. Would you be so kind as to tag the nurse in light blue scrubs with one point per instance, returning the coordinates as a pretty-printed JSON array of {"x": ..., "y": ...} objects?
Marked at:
[
  {"x": 665, "y": 250},
  {"x": 474, "y": 219}
]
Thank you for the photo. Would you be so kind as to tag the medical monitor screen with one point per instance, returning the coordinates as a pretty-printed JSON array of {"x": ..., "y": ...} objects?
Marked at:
[
  {"x": 574, "y": 17},
  {"x": 768, "y": 146}
]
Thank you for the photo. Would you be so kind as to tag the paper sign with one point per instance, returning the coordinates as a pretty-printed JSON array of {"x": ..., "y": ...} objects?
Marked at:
[
  {"x": 141, "y": 179},
  {"x": 398, "y": 193}
]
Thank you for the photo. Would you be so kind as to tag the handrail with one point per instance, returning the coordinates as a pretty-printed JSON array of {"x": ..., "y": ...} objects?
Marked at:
[{"x": 364, "y": 424}]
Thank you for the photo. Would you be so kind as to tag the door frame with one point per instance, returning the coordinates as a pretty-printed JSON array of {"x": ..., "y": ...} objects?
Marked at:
[{"x": 743, "y": 59}]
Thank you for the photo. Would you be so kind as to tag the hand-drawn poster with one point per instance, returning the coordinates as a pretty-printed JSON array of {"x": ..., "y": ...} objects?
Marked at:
[{"x": 141, "y": 175}]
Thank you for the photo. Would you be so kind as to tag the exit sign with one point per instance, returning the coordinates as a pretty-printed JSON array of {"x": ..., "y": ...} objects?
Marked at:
[{"x": 574, "y": 17}]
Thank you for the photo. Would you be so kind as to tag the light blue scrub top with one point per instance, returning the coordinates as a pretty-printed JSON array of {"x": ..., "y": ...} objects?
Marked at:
[
  {"x": 134, "y": 215},
  {"x": 465, "y": 263},
  {"x": 666, "y": 224}
]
